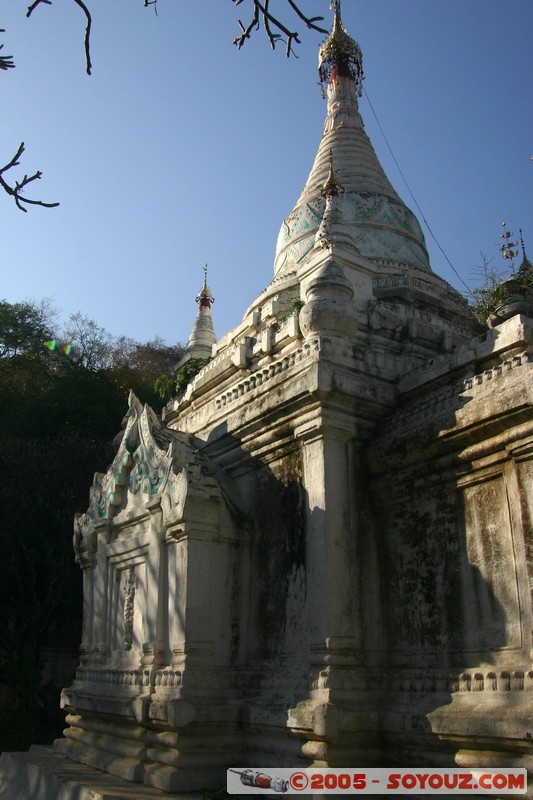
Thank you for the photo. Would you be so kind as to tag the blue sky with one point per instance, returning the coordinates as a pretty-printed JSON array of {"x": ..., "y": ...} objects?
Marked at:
[{"x": 181, "y": 150}]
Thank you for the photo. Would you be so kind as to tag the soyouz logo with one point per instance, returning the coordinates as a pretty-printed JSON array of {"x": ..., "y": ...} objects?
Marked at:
[{"x": 246, "y": 780}]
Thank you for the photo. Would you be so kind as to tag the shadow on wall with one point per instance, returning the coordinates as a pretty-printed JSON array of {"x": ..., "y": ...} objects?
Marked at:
[
  {"x": 433, "y": 611},
  {"x": 276, "y": 505},
  {"x": 418, "y": 586},
  {"x": 452, "y": 561}
]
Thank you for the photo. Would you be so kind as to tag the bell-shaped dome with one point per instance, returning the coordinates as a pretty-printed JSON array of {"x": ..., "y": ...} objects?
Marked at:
[{"x": 383, "y": 229}]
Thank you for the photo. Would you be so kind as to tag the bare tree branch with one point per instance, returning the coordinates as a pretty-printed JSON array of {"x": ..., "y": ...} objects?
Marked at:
[
  {"x": 17, "y": 189},
  {"x": 275, "y": 31},
  {"x": 87, "y": 13},
  {"x": 6, "y": 62},
  {"x": 151, "y": 3},
  {"x": 261, "y": 9},
  {"x": 272, "y": 37},
  {"x": 34, "y": 5}
]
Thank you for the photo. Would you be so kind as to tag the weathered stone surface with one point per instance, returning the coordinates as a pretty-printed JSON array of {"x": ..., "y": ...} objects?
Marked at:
[
  {"x": 49, "y": 776},
  {"x": 333, "y": 570},
  {"x": 323, "y": 554}
]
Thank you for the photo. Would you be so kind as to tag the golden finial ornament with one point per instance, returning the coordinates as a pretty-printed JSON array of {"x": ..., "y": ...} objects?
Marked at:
[
  {"x": 340, "y": 55},
  {"x": 331, "y": 188},
  {"x": 205, "y": 298}
]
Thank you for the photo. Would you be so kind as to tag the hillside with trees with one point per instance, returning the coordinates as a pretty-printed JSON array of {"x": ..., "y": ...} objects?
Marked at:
[{"x": 63, "y": 394}]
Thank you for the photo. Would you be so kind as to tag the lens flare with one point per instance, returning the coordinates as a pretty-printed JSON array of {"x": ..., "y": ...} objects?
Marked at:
[{"x": 53, "y": 344}]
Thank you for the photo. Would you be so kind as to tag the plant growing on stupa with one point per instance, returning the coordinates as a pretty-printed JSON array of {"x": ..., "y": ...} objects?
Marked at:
[
  {"x": 166, "y": 387},
  {"x": 502, "y": 288}
]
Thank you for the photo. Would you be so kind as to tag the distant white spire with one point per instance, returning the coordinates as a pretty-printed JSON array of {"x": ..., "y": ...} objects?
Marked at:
[{"x": 202, "y": 336}]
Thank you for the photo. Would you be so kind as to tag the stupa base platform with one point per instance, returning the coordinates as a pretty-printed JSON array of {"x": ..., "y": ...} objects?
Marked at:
[{"x": 45, "y": 775}]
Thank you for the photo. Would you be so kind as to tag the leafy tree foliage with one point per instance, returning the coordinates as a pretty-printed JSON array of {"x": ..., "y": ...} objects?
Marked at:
[
  {"x": 62, "y": 398},
  {"x": 43, "y": 482},
  {"x": 23, "y": 328},
  {"x": 499, "y": 287},
  {"x": 166, "y": 386}
]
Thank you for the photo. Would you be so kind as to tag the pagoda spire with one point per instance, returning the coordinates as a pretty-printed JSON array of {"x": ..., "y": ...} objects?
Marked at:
[
  {"x": 380, "y": 226},
  {"x": 332, "y": 229},
  {"x": 340, "y": 55},
  {"x": 525, "y": 260},
  {"x": 202, "y": 338},
  {"x": 331, "y": 187}
]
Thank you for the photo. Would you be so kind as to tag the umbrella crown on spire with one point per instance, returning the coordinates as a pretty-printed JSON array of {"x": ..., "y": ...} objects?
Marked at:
[{"x": 340, "y": 54}]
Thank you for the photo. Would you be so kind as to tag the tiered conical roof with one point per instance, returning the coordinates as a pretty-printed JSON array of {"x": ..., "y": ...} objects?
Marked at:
[
  {"x": 202, "y": 336},
  {"x": 383, "y": 229}
]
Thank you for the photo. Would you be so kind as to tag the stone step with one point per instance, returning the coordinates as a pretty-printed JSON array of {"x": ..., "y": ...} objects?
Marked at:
[{"x": 42, "y": 774}]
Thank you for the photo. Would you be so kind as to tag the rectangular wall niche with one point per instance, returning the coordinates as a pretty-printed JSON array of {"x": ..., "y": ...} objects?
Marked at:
[
  {"x": 127, "y": 567},
  {"x": 492, "y": 610}
]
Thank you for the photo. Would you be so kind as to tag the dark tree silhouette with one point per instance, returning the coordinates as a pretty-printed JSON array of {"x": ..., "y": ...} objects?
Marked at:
[{"x": 63, "y": 394}]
